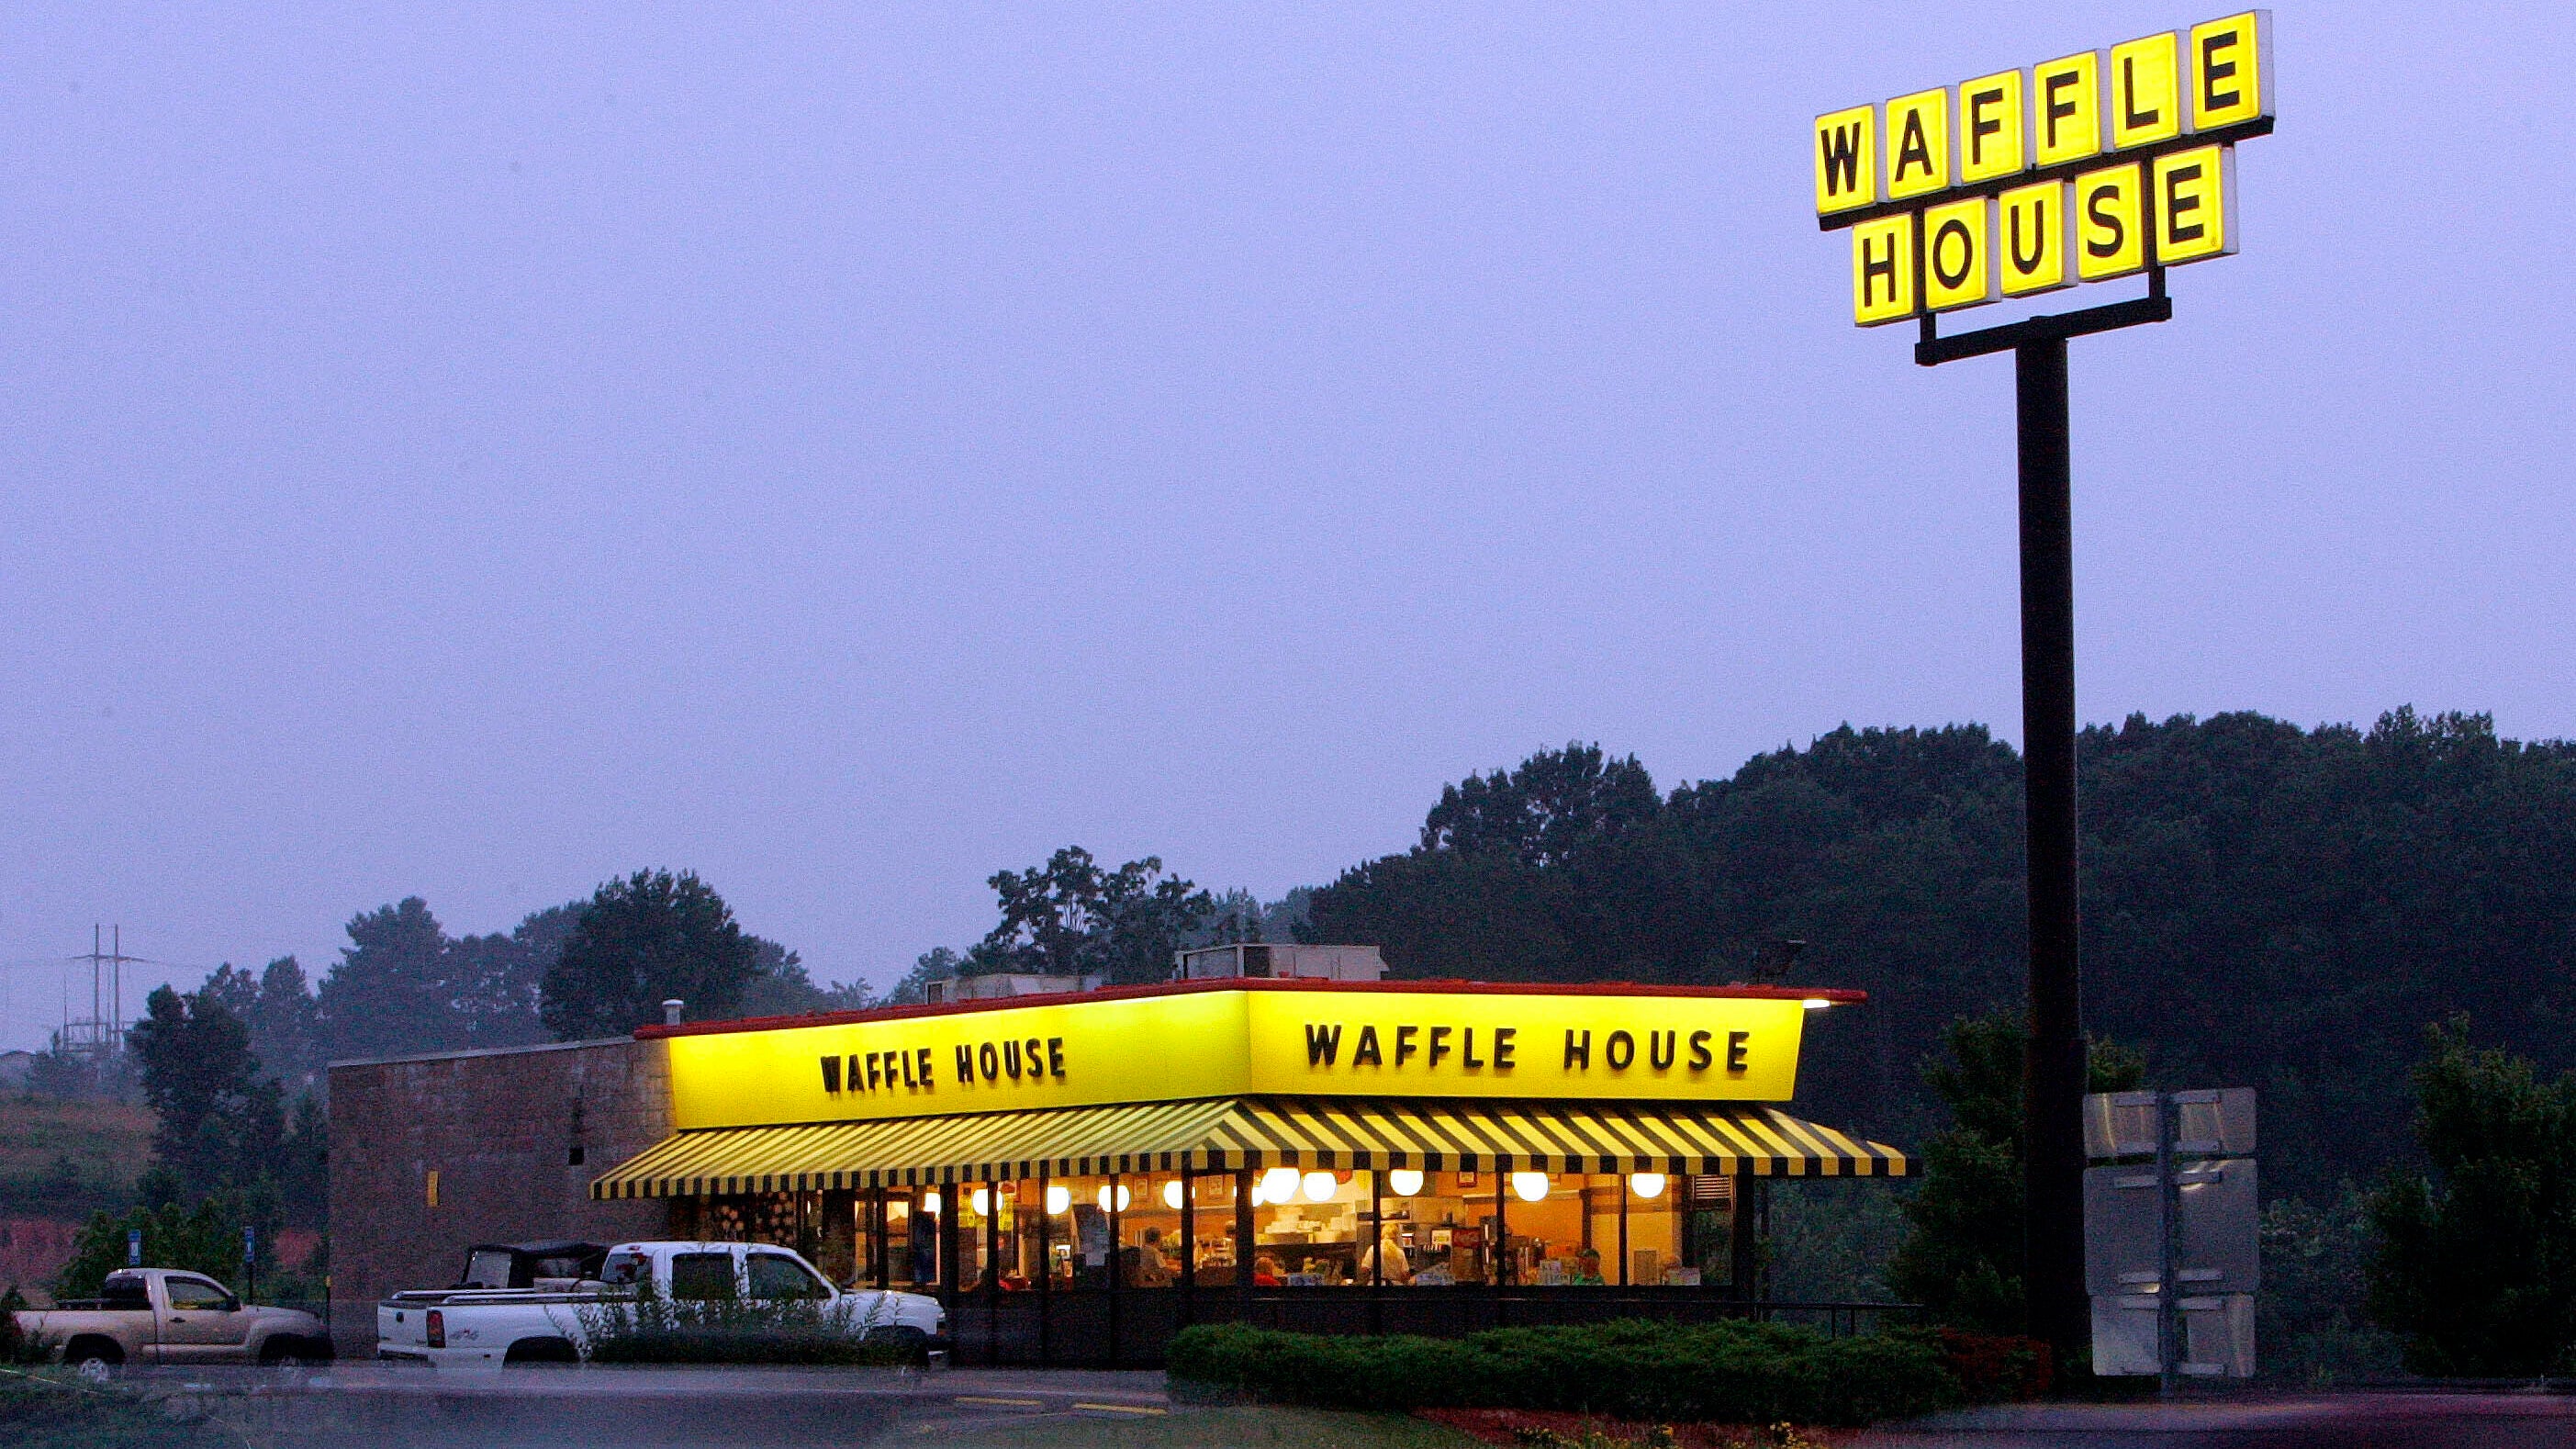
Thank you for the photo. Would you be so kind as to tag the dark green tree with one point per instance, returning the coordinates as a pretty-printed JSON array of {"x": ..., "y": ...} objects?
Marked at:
[
  {"x": 391, "y": 992},
  {"x": 2476, "y": 1260},
  {"x": 644, "y": 939},
  {"x": 219, "y": 1125},
  {"x": 1070, "y": 917},
  {"x": 1963, "y": 1261}
]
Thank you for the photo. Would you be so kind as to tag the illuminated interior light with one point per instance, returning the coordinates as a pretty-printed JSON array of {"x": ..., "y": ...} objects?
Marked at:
[
  {"x": 1124, "y": 1197},
  {"x": 930, "y": 1203},
  {"x": 1059, "y": 1199},
  {"x": 1815, "y": 1003},
  {"x": 1319, "y": 1186},
  {"x": 1529, "y": 1186},
  {"x": 1404, "y": 1182},
  {"x": 1279, "y": 1184},
  {"x": 1648, "y": 1185},
  {"x": 981, "y": 1202},
  {"x": 1172, "y": 1194}
]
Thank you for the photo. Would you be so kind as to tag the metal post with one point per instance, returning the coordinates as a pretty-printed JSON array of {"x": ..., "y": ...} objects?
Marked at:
[
  {"x": 1377, "y": 1250},
  {"x": 1624, "y": 1191},
  {"x": 992, "y": 1271},
  {"x": 1117, "y": 1264},
  {"x": 1243, "y": 1243},
  {"x": 1045, "y": 1277},
  {"x": 2168, "y": 1224},
  {"x": 2053, "y": 1129},
  {"x": 1189, "y": 1246}
]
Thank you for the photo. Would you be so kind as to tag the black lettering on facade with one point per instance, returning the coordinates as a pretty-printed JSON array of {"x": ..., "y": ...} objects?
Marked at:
[
  {"x": 1323, "y": 1044},
  {"x": 1953, "y": 230},
  {"x": 2096, "y": 207},
  {"x": 1503, "y": 1047},
  {"x": 1467, "y": 1053},
  {"x": 924, "y": 1055},
  {"x": 1699, "y": 1051},
  {"x": 1439, "y": 1044},
  {"x": 1404, "y": 1046},
  {"x": 2213, "y": 70},
  {"x": 1661, "y": 1047},
  {"x": 1914, "y": 149},
  {"x": 1364, "y": 1053},
  {"x": 965, "y": 1063},
  {"x": 1980, "y": 125},
  {"x": 1736, "y": 1050},
  {"x": 1055, "y": 1056},
  {"x": 907, "y": 1070},
  {"x": 1011, "y": 1060},
  {"x": 989, "y": 1060},
  {"x": 1841, "y": 148},
  {"x": 832, "y": 1075},
  {"x": 1578, "y": 1051},
  {"x": 1619, "y": 1050},
  {"x": 2176, "y": 204}
]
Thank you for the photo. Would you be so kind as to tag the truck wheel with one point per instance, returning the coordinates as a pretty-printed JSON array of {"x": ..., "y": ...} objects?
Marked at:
[
  {"x": 93, "y": 1360},
  {"x": 540, "y": 1350}
]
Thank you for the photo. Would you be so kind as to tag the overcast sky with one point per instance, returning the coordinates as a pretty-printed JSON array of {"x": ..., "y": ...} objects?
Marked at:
[{"x": 848, "y": 449}]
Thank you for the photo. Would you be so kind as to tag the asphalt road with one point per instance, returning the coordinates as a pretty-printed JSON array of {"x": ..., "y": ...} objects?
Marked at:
[{"x": 385, "y": 1407}]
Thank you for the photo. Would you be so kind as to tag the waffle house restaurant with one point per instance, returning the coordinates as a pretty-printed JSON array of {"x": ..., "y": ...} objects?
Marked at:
[{"x": 1080, "y": 1175}]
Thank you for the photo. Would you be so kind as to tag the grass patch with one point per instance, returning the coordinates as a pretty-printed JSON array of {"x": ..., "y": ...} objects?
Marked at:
[
  {"x": 46, "y": 1411},
  {"x": 1186, "y": 1428},
  {"x": 69, "y": 1159}
]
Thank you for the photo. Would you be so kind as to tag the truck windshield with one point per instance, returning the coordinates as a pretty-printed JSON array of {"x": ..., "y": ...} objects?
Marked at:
[{"x": 489, "y": 1268}]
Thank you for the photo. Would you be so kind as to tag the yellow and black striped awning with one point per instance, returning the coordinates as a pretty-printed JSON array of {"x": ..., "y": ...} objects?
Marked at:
[{"x": 1251, "y": 1132}]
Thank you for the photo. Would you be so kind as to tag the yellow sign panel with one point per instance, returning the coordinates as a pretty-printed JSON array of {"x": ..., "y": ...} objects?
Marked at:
[
  {"x": 2231, "y": 70},
  {"x": 2110, "y": 230},
  {"x": 2146, "y": 91},
  {"x": 1194, "y": 1044},
  {"x": 1958, "y": 258},
  {"x": 1990, "y": 127},
  {"x": 1846, "y": 159},
  {"x": 1883, "y": 270},
  {"x": 2030, "y": 239},
  {"x": 2194, "y": 196},
  {"x": 2066, "y": 109},
  {"x": 1918, "y": 144}
]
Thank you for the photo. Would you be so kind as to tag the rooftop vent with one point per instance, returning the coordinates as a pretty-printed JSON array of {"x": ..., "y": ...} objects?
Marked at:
[{"x": 1313, "y": 963}]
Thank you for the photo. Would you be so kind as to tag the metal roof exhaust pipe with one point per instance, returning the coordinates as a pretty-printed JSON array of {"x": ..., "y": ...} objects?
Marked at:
[{"x": 671, "y": 1011}]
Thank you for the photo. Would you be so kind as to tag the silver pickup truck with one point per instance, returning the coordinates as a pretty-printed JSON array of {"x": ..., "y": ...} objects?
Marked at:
[{"x": 167, "y": 1316}]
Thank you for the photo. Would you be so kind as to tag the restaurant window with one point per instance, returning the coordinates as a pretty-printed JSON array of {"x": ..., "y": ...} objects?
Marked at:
[
  {"x": 1655, "y": 1256},
  {"x": 1149, "y": 1230},
  {"x": 1306, "y": 1226},
  {"x": 1707, "y": 1211},
  {"x": 912, "y": 1237},
  {"x": 1078, "y": 1245},
  {"x": 1442, "y": 1225},
  {"x": 1212, "y": 1220}
]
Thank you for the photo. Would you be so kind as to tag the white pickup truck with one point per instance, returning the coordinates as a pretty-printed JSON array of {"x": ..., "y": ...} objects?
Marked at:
[
  {"x": 551, "y": 1322},
  {"x": 166, "y": 1316}
]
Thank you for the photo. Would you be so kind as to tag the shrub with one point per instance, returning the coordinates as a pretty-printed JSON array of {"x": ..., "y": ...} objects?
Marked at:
[
  {"x": 1992, "y": 1366},
  {"x": 1732, "y": 1371},
  {"x": 648, "y": 1328}
]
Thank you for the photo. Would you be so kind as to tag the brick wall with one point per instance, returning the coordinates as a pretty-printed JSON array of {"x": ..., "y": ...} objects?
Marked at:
[{"x": 498, "y": 1128}]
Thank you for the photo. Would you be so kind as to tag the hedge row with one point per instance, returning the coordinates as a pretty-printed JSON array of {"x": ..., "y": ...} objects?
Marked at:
[{"x": 1732, "y": 1371}]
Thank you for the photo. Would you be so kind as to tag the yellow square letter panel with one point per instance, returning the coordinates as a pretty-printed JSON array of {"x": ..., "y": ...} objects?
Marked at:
[
  {"x": 2195, "y": 199},
  {"x": 1883, "y": 270},
  {"x": 2231, "y": 70},
  {"x": 1846, "y": 159},
  {"x": 1991, "y": 128},
  {"x": 2030, "y": 238},
  {"x": 2110, "y": 234},
  {"x": 1958, "y": 262},
  {"x": 1918, "y": 144},
  {"x": 2146, "y": 91},
  {"x": 2066, "y": 109}
]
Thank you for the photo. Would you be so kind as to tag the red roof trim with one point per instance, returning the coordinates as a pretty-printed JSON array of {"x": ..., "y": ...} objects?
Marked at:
[{"x": 1836, "y": 995}]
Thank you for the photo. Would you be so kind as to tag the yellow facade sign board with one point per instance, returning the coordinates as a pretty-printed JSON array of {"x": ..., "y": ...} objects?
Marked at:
[
  {"x": 1187, "y": 1045},
  {"x": 2100, "y": 164}
]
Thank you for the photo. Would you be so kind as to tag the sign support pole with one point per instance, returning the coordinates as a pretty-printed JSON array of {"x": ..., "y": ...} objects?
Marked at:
[
  {"x": 2055, "y": 1307},
  {"x": 2054, "y": 1080}
]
